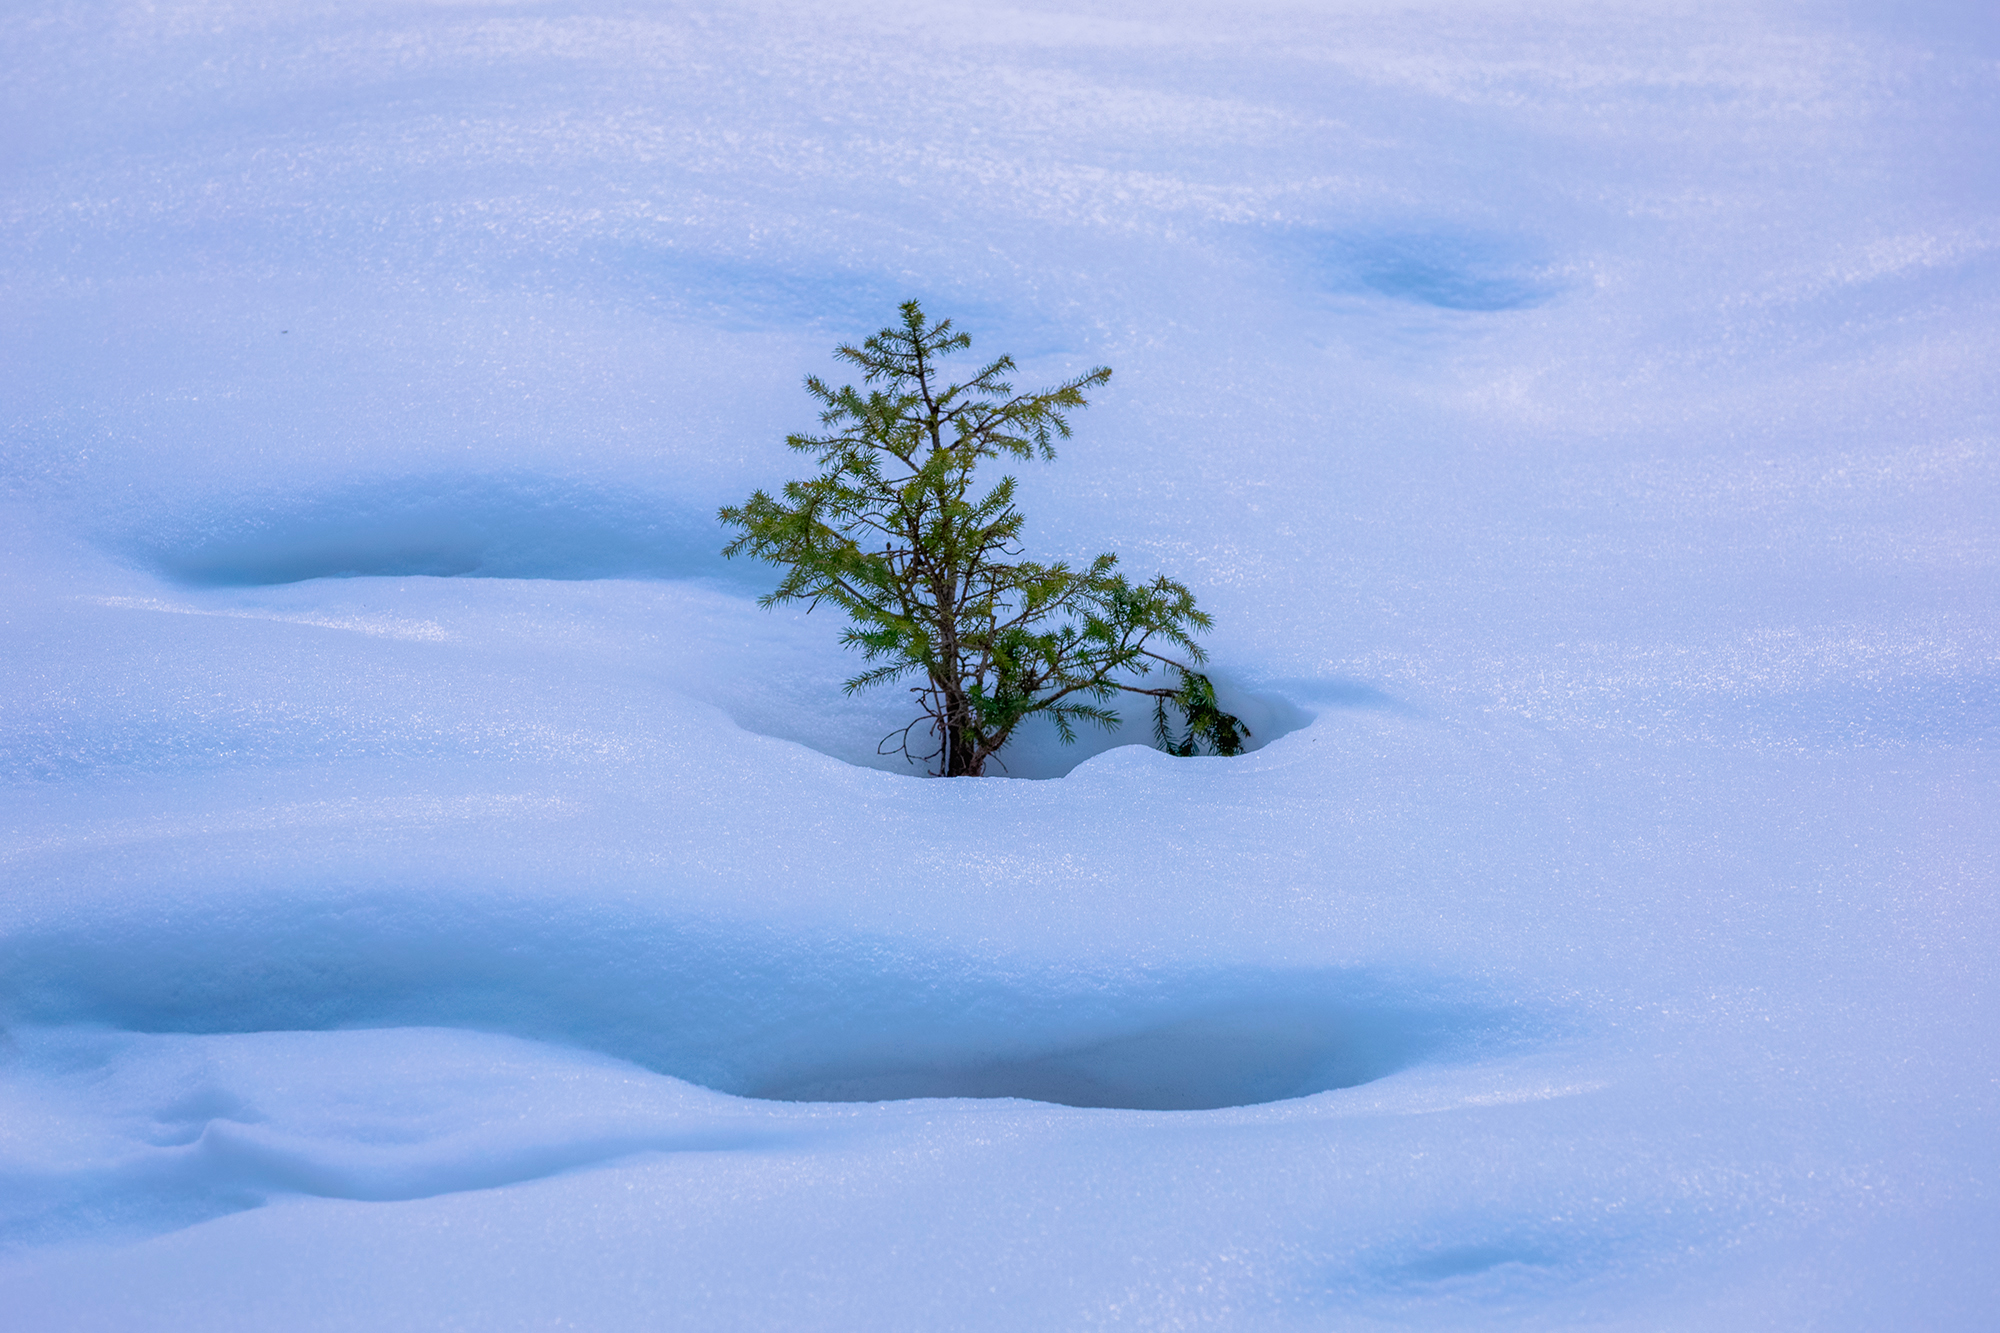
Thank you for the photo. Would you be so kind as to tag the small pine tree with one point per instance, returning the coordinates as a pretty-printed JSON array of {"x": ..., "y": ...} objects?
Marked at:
[{"x": 894, "y": 533}]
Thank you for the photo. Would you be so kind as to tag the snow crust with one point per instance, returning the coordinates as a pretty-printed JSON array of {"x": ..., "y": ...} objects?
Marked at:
[{"x": 437, "y": 896}]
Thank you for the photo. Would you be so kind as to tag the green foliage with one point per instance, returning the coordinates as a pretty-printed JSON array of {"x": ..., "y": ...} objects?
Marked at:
[{"x": 894, "y": 532}]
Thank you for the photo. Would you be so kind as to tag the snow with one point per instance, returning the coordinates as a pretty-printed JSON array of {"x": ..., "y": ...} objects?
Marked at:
[{"x": 438, "y": 896}]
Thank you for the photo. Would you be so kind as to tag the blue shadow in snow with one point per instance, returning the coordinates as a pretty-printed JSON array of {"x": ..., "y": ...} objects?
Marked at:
[
  {"x": 1323, "y": 692},
  {"x": 1444, "y": 269},
  {"x": 485, "y": 527},
  {"x": 1470, "y": 1260},
  {"x": 758, "y": 1012}
]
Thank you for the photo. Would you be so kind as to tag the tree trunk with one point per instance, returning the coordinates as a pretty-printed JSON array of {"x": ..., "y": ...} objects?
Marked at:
[{"x": 960, "y": 756}]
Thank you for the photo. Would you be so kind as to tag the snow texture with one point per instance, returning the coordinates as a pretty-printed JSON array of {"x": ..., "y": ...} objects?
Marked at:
[{"x": 437, "y": 896}]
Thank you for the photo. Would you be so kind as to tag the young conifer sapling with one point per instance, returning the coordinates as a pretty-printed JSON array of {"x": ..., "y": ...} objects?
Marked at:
[{"x": 897, "y": 532}]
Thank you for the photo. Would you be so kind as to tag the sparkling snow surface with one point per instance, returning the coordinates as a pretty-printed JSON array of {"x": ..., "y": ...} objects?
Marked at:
[{"x": 436, "y": 896}]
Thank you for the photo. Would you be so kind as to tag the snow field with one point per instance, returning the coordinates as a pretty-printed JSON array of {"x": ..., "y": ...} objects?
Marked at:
[{"x": 435, "y": 895}]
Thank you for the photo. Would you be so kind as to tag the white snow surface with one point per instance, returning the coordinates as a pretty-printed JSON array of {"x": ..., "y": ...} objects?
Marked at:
[{"x": 437, "y": 896}]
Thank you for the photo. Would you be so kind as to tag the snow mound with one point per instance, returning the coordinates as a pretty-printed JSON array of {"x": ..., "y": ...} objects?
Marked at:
[
  {"x": 647, "y": 589},
  {"x": 134, "y": 1134}
]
